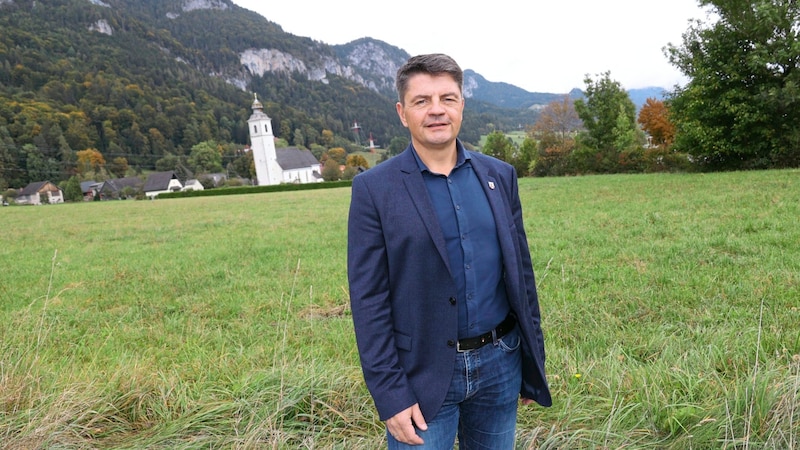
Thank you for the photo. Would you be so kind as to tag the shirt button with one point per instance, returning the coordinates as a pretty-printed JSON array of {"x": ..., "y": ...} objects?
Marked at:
[
  {"x": 451, "y": 343},
  {"x": 452, "y": 300}
]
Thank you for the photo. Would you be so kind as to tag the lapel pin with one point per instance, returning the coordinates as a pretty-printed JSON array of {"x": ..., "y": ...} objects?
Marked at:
[{"x": 491, "y": 185}]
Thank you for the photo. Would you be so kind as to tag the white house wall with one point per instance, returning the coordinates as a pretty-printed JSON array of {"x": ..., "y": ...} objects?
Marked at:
[
  {"x": 55, "y": 198},
  {"x": 300, "y": 175}
]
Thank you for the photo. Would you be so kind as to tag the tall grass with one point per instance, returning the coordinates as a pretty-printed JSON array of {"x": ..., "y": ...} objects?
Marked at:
[{"x": 670, "y": 306}]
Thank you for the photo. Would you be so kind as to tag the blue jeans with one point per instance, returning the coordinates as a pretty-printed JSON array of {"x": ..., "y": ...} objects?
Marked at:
[{"x": 481, "y": 405}]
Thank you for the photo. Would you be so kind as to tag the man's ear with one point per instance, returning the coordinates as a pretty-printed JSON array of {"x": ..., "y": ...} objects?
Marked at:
[{"x": 399, "y": 107}]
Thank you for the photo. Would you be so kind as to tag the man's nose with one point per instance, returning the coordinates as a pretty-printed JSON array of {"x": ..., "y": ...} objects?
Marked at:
[{"x": 436, "y": 108}]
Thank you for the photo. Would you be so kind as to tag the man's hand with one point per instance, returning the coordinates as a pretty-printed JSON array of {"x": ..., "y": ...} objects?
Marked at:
[
  {"x": 401, "y": 426},
  {"x": 526, "y": 401}
]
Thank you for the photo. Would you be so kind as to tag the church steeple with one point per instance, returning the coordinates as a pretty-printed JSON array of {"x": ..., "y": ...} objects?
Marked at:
[
  {"x": 262, "y": 142},
  {"x": 257, "y": 106}
]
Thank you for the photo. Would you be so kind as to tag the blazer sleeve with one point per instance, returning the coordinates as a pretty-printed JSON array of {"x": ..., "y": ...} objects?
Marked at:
[
  {"x": 368, "y": 277},
  {"x": 534, "y": 384}
]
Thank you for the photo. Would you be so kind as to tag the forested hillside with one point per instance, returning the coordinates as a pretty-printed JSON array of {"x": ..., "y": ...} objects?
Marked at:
[{"x": 142, "y": 80}]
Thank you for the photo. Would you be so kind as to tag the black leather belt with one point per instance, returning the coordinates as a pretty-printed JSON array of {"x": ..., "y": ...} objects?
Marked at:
[{"x": 501, "y": 330}]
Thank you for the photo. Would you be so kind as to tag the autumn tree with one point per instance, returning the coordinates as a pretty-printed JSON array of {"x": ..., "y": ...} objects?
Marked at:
[
  {"x": 355, "y": 160},
  {"x": 89, "y": 161},
  {"x": 741, "y": 105},
  {"x": 118, "y": 166},
  {"x": 555, "y": 131},
  {"x": 327, "y": 138},
  {"x": 654, "y": 119},
  {"x": 338, "y": 154}
]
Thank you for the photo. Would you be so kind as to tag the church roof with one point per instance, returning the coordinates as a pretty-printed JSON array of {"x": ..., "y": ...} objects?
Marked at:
[{"x": 291, "y": 158}]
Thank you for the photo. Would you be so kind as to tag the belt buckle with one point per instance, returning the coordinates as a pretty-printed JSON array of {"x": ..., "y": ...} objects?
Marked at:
[{"x": 458, "y": 347}]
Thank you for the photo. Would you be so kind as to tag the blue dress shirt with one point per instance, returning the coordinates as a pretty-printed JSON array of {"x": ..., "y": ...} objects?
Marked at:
[{"x": 473, "y": 249}]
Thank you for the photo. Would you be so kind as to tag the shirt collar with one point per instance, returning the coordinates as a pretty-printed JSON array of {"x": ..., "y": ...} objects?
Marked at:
[{"x": 461, "y": 157}]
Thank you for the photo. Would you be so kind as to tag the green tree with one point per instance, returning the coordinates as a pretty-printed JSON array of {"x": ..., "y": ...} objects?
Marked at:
[
  {"x": 397, "y": 145},
  {"x": 205, "y": 158},
  {"x": 349, "y": 173},
  {"x": 72, "y": 190},
  {"x": 609, "y": 116},
  {"x": 741, "y": 105},
  {"x": 525, "y": 159},
  {"x": 330, "y": 170},
  {"x": 499, "y": 146},
  {"x": 38, "y": 166},
  {"x": 167, "y": 163},
  {"x": 299, "y": 138},
  {"x": 242, "y": 166}
]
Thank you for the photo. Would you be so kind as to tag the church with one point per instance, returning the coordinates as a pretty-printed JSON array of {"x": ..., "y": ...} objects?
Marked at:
[{"x": 278, "y": 165}]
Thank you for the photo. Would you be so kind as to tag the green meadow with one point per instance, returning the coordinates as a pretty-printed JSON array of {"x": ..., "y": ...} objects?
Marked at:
[{"x": 670, "y": 306}]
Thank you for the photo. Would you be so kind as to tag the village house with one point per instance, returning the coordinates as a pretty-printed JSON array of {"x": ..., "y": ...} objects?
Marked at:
[
  {"x": 89, "y": 189},
  {"x": 120, "y": 188},
  {"x": 193, "y": 185},
  {"x": 40, "y": 192},
  {"x": 161, "y": 182}
]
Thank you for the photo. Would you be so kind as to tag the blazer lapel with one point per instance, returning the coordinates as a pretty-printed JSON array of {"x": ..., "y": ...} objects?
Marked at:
[
  {"x": 418, "y": 193},
  {"x": 494, "y": 193},
  {"x": 498, "y": 202}
]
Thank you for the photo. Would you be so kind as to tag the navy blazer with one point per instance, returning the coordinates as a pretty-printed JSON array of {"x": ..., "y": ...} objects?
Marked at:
[{"x": 403, "y": 296}]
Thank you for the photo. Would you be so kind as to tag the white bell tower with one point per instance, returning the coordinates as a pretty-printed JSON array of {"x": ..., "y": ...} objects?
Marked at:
[{"x": 262, "y": 143}]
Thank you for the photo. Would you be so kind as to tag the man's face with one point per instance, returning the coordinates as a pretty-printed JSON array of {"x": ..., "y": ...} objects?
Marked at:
[{"x": 431, "y": 110}]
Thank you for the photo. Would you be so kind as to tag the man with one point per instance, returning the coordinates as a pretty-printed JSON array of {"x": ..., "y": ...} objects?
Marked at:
[{"x": 442, "y": 288}]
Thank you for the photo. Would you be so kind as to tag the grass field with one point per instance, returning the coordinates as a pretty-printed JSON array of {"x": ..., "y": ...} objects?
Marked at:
[{"x": 670, "y": 307}]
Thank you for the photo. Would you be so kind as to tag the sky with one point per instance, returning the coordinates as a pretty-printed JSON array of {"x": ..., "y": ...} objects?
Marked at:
[{"x": 541, "y": 46}]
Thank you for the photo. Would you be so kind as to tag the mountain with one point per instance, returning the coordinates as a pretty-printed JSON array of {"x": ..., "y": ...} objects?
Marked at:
[
  {"x": 504, "y": 94},
  {"x": 640, "y": 96},
  {"x": 142, "y": 81}
]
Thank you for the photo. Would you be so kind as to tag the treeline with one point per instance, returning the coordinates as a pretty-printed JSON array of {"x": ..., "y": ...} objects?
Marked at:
[
  {"x": 144, "y": 92},
  {"x": 144, "y": 95},
  {"x": 738, "y": 111}
]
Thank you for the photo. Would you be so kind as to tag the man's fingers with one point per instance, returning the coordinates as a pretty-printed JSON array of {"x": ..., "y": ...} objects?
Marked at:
[
  {"x": 401, "y": 426},
  {"x": 416, "y": 417}
]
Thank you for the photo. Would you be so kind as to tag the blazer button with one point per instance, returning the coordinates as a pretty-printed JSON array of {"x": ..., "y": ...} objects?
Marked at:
[
  {"x": 452, "y": 300},
  {"x": 451, "y": 343}
]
